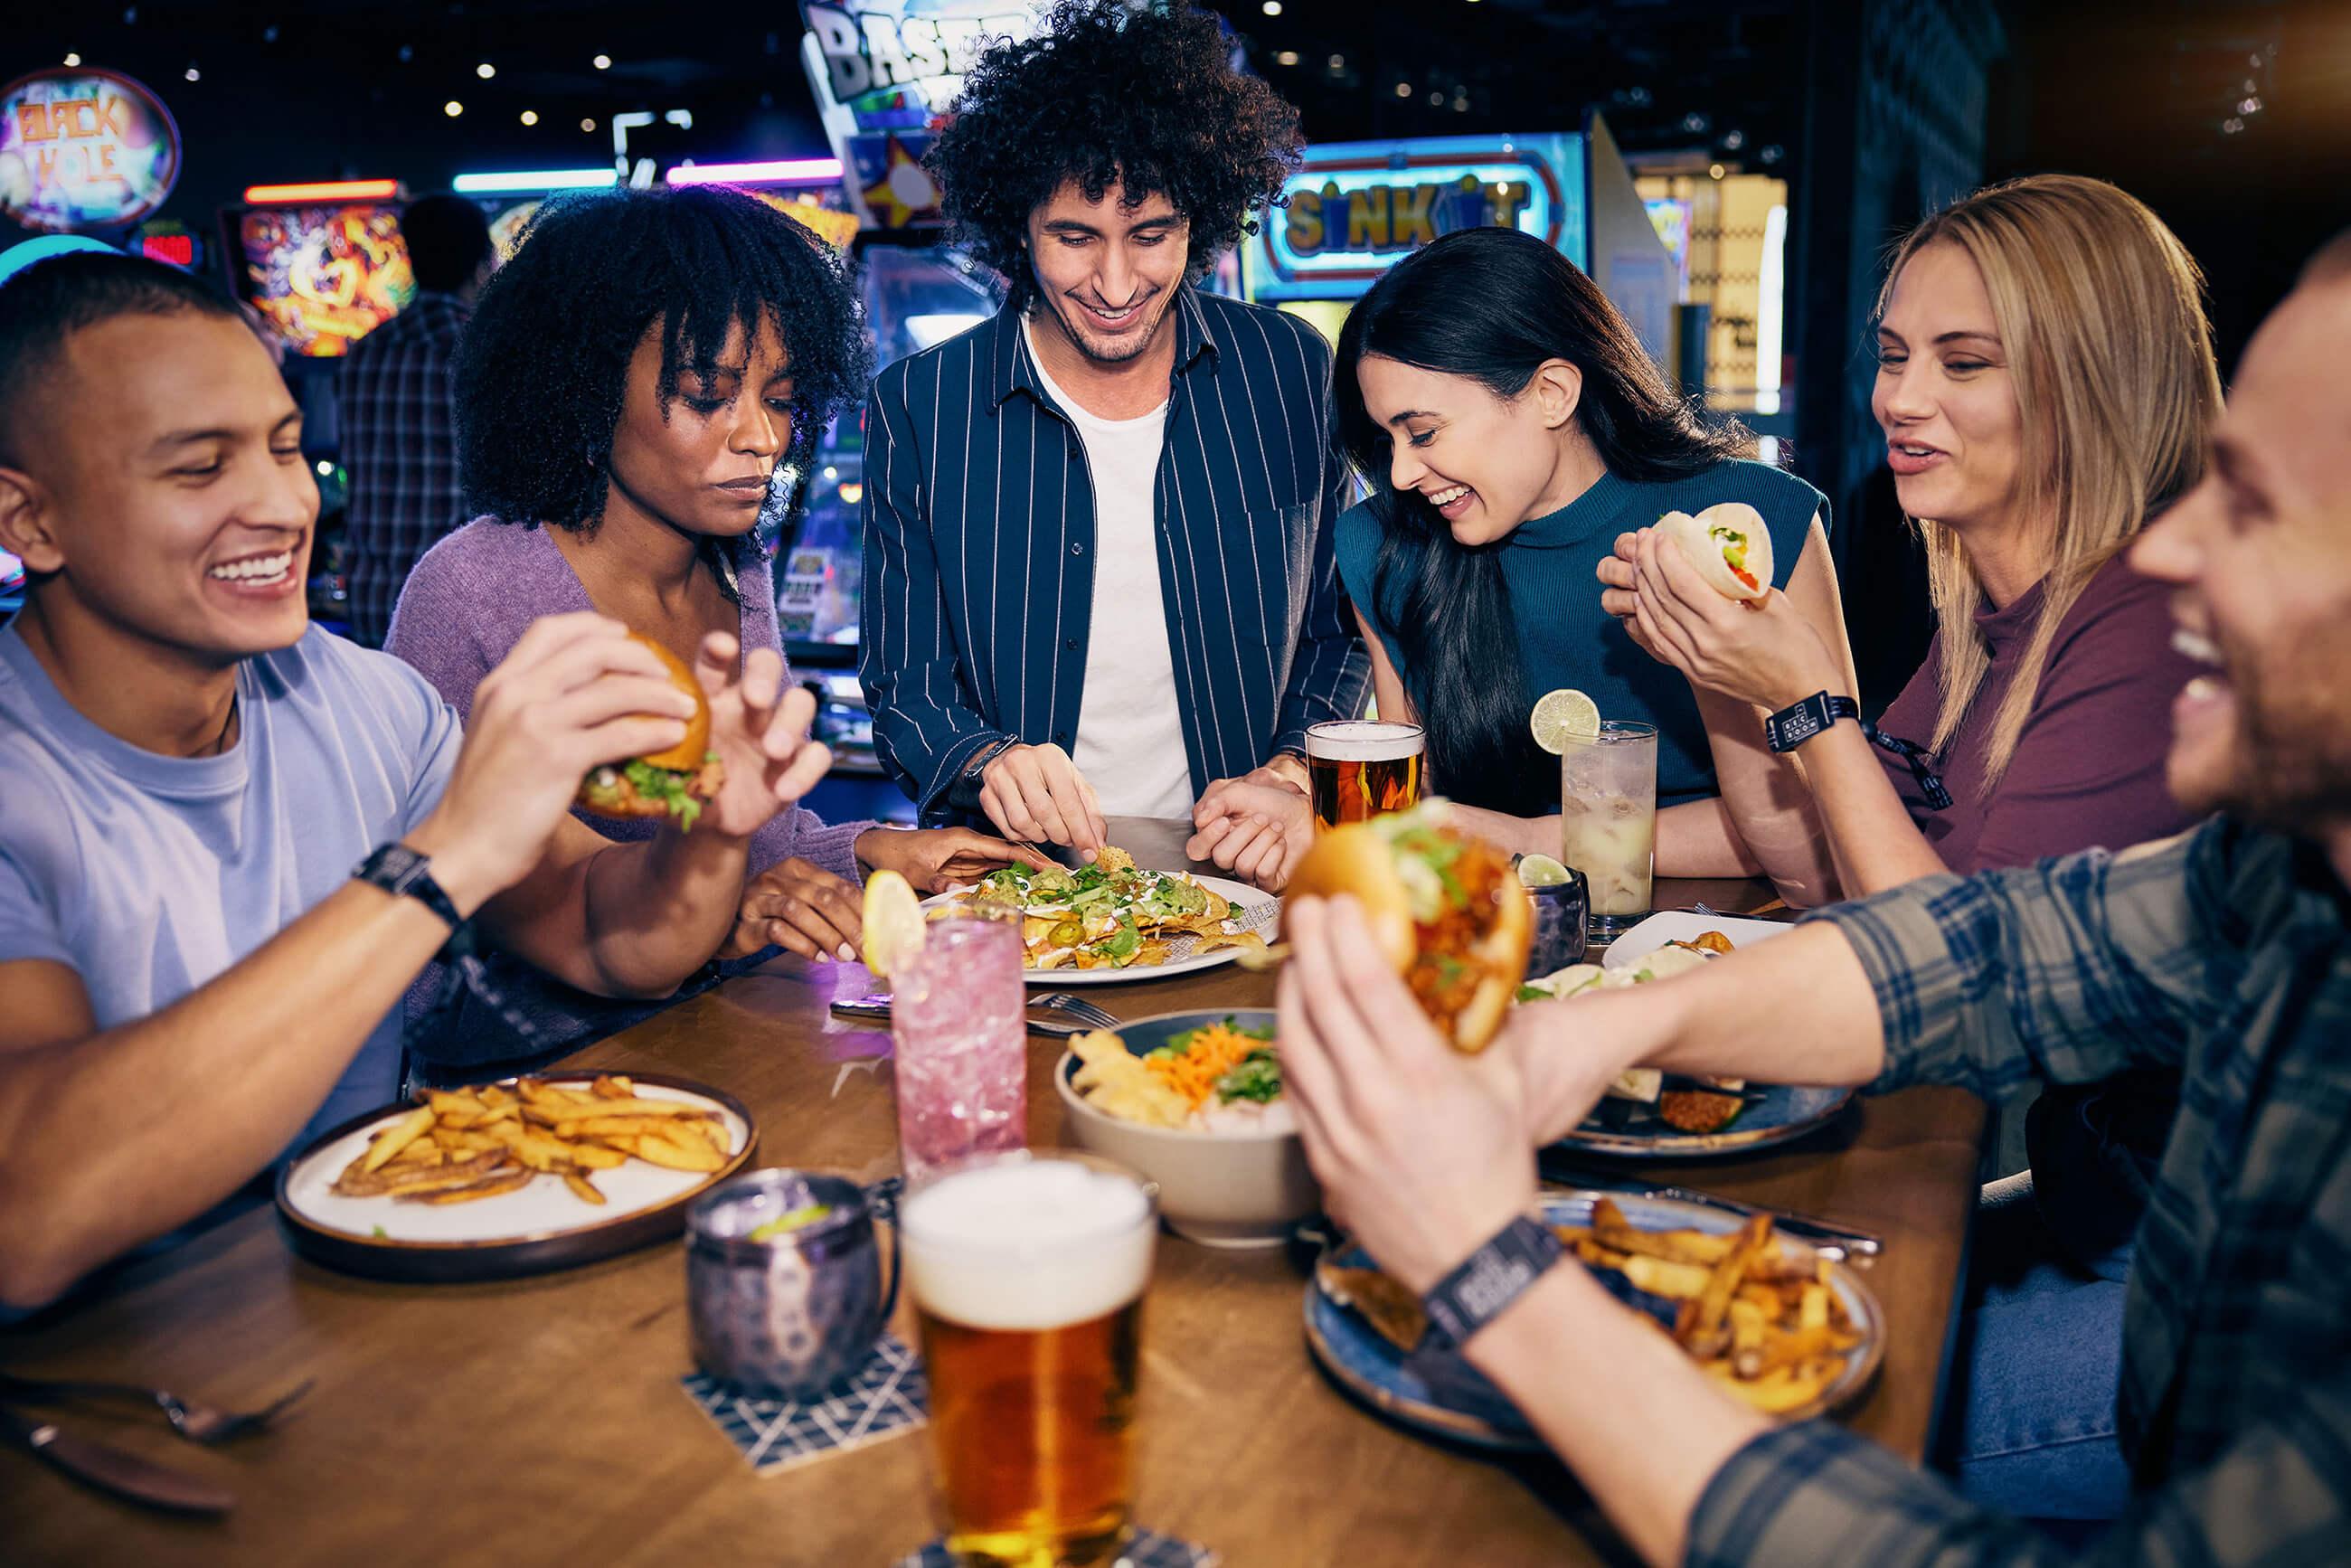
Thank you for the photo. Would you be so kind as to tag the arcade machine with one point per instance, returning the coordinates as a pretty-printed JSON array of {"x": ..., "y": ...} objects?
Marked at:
[
  {"x": 881, "y": 70},
  {"x": 1357, "y": 208},
  {"x": 319, "y": 267}
]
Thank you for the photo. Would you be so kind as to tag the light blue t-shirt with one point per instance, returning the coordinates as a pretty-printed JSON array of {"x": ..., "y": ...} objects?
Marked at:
[{"x": 150, "y": 875}]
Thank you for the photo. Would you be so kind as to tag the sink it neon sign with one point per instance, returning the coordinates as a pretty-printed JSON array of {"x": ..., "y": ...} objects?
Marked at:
[{"x": 1356, "y": 209}]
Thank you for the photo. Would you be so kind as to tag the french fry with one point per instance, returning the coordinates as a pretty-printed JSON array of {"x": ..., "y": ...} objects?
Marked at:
[
  {"x": 463, "y": 1144},
  {"x": 504, "y": 1181},
  {"x": 396, "y": 1138},
  {"x": 1680, "y": 1281},
  {"x": 677, "y": 1155}
]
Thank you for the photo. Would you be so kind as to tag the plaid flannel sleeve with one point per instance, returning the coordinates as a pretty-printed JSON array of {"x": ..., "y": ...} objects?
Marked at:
[
  {"x": 2278, "y": 1497},
  {"x": 2071, "y": 970}
]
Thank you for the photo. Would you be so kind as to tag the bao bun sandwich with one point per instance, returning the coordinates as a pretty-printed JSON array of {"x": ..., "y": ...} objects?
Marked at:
[
  {"x": 671, "y": 783},
  {"x": 1729, "y": 544},
  {"x": 1444, "y": 907}
]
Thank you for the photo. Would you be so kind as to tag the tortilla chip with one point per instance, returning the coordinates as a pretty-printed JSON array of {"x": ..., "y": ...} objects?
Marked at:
[
  {"x": 1247, "y": 941},
  {"x": 1110, "y": 858},
  {"x": 1154, "y": 951},
  {"x": 1114, "y": 1081}
]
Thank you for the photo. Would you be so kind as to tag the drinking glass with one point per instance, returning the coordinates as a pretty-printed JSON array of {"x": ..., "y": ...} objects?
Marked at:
[
  {"x": 1608, "y": 819},
  {"x": 1027, "y": 1272},
  {"x": 958, "y": 1017},
  {"x": 1358, "y": 769}
]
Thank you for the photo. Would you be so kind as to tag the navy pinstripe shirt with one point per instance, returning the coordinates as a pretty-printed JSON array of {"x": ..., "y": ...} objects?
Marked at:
[{"x": 980, "y": 535}]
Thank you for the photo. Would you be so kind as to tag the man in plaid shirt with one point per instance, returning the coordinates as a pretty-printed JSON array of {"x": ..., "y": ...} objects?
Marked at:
[
  {"x": 2225, "y": 955},
  {"x": 399, "y": 439}
]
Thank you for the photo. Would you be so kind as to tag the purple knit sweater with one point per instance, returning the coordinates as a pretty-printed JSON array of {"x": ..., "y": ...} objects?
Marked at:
[{"x": 468, "y": 602}]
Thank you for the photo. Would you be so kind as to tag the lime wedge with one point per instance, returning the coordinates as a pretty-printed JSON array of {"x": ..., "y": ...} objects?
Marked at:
[
  {"x": 1540, "y": 871},
  {"x": 894, "y": 922},
  {"x": 1560, "y": 714},
  {"x": 799, "y": 1219}
]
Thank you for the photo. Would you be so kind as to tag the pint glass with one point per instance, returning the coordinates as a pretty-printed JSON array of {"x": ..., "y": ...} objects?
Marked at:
[
  {"x": 1362, "y": 768},
  {"x": 1027, "y": 1272}
]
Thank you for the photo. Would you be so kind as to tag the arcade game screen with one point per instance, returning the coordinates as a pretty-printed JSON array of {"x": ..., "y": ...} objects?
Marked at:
[
  {"x": 917, "y": 293},
  {"x": 324, "y": 278}
]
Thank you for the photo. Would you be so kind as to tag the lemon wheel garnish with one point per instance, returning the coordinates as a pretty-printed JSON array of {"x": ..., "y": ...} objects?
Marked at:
[
  {"x": 894, "y": 922},
  {"x": 1560, "y": 714}
]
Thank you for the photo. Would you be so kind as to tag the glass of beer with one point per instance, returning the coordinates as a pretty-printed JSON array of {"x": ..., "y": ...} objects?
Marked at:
[
  {"x": 1027, "y": 1271},
  {"x": 1359, "y": 768}
]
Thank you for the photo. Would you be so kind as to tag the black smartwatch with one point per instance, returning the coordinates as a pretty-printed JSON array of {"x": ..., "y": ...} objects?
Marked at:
[
  {"x": 1489, "y": 1281},
  {"x": 1799, "y": 722},
  {"x": 402, "y": 873}
]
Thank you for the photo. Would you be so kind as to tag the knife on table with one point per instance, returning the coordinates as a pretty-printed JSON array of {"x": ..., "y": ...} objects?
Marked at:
[
  {"x": 876, "y": 1009},
  {"x": 111, "y": 1470}
]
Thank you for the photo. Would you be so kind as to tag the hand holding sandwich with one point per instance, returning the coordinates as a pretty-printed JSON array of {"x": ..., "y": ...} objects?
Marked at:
[{"x": 1758, "y": 650}]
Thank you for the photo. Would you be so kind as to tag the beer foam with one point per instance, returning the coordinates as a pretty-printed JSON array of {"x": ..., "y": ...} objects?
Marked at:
[
  {"x": 1362, "y": 740},
  {"x": 1027, "y": 1245}
]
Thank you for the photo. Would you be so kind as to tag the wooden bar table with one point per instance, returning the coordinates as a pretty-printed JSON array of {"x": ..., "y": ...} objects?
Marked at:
[{"x": 541, "y": 1420}]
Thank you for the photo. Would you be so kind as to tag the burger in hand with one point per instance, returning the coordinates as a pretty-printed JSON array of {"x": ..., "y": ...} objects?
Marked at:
[
  {"x": 1444, "y": 907},
  {"x": 671, "y": 783}
]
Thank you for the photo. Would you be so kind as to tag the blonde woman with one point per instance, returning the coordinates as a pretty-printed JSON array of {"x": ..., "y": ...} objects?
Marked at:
[
  {"x": 2045, "y": 378},
  {"x": 2046, "y": 381}
]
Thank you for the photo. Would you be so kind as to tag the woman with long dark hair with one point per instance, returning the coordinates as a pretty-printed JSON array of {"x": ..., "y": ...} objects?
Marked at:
[{"x": 1510, "y": 427}]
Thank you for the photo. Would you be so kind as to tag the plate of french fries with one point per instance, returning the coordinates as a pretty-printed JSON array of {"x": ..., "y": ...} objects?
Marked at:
[
  {"x": 1770, "y": 1322},
  {"x": 527, "y": 1173}
]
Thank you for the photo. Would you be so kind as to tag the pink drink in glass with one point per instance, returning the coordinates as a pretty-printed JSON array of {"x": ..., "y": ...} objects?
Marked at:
[{"x": 959, "y": 1016}]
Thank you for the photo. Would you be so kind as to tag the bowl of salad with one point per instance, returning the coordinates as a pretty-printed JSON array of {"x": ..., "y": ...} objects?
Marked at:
[{"x": 1195, "y": 1101}]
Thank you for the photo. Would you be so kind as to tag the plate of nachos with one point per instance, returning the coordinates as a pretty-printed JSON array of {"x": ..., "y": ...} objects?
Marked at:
[{"x": 1113, "y": 920}]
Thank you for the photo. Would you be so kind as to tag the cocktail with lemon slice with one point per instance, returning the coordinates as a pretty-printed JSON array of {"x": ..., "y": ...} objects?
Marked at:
[
  {"x": 1608, "y": 803},
  {"x": 958, "y": 1020}
]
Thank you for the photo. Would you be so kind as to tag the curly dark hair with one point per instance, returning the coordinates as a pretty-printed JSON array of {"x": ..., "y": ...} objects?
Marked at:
[
  {"x": 543, "y": 365},
  {"x": 1102, "y": 94}
]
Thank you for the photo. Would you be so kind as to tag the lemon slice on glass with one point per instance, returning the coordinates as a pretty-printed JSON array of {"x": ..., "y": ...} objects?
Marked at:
[
  {"x": 1561, "y": 714},
  {"x": 1540, "y": 871},
  {"x": 894, "y": 922}
]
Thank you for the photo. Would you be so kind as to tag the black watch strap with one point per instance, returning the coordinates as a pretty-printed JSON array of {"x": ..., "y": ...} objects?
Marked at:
[
  {"x": 1489, "y": 1281},
  {"x": 402, "y": 873},
  {"x": 1799, "y": 722}
]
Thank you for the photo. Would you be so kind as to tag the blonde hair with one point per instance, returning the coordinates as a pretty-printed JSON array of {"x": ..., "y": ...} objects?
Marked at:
[{"x": 2100, "y": 310}]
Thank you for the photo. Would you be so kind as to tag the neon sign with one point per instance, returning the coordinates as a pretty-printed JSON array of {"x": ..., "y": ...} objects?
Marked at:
[
  {"x": 84, "y": 150},
  {"x": 1355, "y": 209},
  {"x": 883, "y": 71}
]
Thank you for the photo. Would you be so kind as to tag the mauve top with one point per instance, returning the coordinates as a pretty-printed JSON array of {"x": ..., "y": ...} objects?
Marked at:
[
  {"x": 2088, "y": 768},
  {"x": 474, "y": 594},
  {"x": 463, "y": 608},
  {"x": 2087, "y": 771}
]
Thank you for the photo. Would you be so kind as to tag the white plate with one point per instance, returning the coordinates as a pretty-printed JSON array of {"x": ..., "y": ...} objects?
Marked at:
[
  {"x": 1253, "y": 910},
  {"x": 1681, "y": 926},
  {"x": 545, "y": 1207}
]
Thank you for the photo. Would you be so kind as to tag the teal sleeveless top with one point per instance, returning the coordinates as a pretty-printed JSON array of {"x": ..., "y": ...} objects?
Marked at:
[{"x": 1565, "y": 639}]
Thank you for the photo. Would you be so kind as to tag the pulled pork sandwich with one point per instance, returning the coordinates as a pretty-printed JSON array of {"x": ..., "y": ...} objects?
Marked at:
[
  {"x": 1446, "y": 908},
  {"x": 671, "y": 783}
]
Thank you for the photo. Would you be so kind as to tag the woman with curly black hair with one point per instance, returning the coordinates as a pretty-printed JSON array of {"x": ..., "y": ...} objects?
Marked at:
[
  {"x": 1098, "y": 574},
  {"x": 635, "y": 385}
]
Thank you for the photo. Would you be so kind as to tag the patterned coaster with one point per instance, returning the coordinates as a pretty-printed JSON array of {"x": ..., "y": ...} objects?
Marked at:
[
  {"x": 889, "y": 1396},
  {"x": 1144, "y": 1549}
]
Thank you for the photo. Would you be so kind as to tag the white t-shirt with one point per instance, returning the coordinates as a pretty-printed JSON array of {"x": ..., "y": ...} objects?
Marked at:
[{"x": 1130, "y": 744}]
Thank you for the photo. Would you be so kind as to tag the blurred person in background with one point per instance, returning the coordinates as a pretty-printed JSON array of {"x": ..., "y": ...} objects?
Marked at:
[{"x": 397, "y": 407}]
